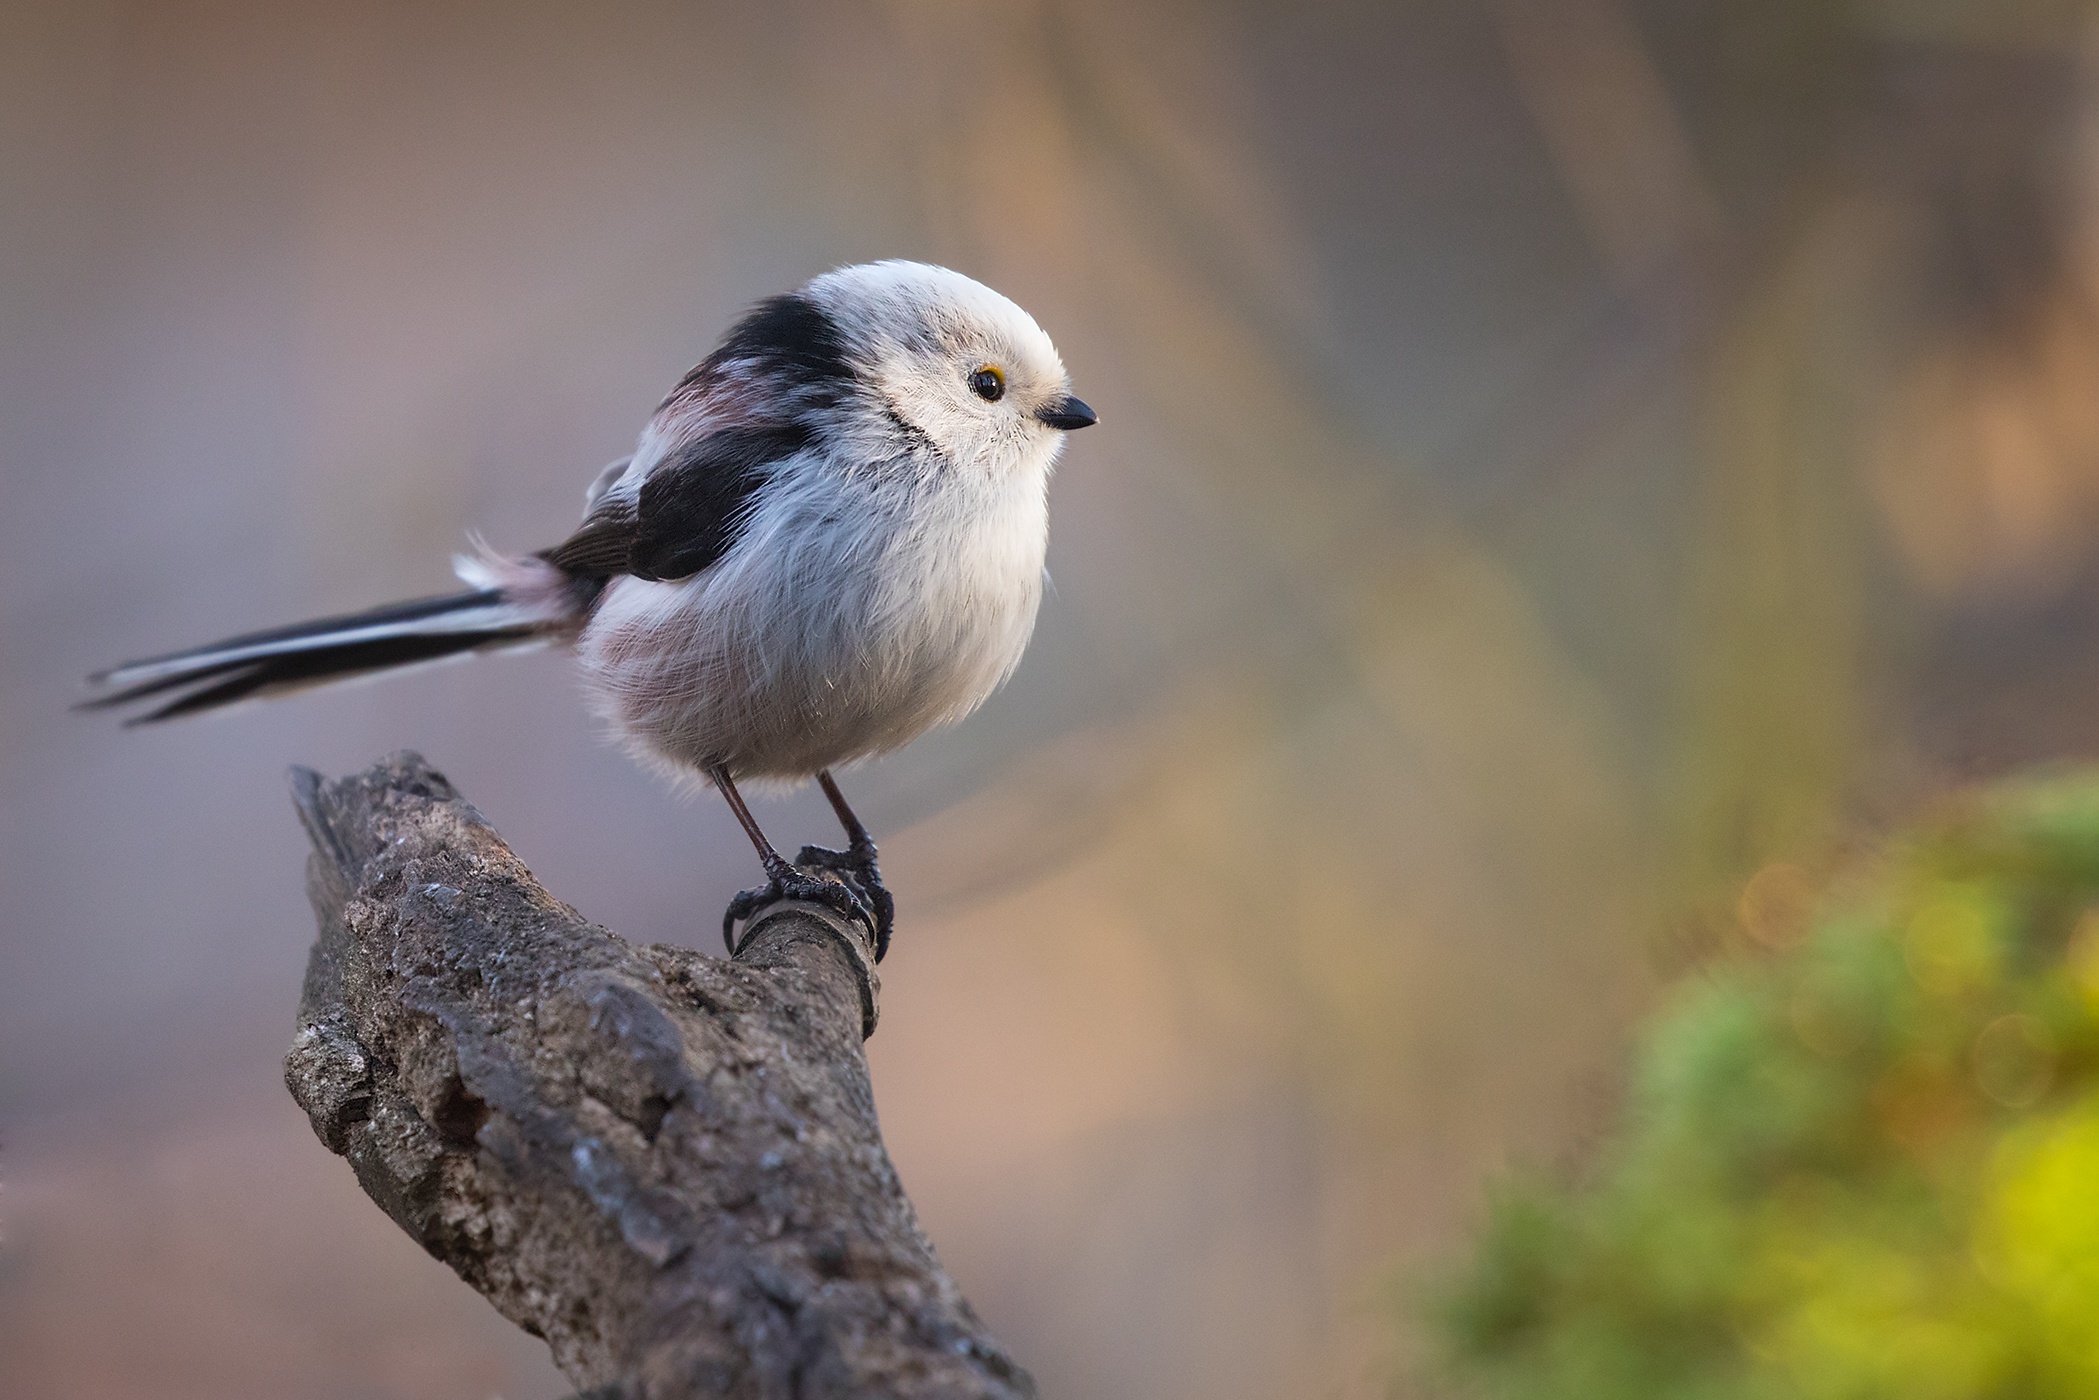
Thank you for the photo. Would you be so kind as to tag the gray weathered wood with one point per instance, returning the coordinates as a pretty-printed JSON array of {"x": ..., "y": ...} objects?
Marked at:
[{"x": 665, "y": 1164}]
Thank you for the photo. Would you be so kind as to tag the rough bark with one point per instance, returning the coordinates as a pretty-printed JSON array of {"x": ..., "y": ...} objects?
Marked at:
[{"x": 666, "y": 1164}]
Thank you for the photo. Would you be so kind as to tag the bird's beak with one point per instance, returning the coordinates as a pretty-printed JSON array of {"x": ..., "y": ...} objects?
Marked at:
[{"x": 1067, "y": 414}]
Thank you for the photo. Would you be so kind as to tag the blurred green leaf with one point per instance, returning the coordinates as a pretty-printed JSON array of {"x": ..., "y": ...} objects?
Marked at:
[{"x": 1864, "y": 1166}]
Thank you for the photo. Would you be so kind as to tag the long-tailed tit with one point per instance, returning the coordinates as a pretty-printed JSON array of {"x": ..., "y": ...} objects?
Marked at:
[{"x": 829, "y": 539}]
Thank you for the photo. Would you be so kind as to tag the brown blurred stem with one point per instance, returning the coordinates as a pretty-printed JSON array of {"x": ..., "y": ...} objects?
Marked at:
[{"x": 665, "y": 1164}]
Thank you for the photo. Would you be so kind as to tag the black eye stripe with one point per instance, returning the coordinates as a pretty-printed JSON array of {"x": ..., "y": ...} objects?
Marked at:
[{"x": 988, "y": 384}]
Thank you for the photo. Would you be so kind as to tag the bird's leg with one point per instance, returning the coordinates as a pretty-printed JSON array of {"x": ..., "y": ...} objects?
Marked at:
[
  {"x": 783, "y": 881},
  {"x": 861, "y": 844},
  {"x": 856, "y": 861}
]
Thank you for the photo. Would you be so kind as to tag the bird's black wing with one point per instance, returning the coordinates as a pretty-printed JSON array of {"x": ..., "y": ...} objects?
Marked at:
[
  {"x": 693, "y": 503},
  {"x": 689, "y": 511}
]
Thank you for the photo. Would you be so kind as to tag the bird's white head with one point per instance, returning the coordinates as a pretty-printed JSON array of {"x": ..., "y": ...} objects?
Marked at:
[{"x": 952, "y": 364}]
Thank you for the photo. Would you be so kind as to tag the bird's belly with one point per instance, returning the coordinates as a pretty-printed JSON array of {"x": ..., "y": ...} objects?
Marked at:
[{"x": 779, "y": 673}]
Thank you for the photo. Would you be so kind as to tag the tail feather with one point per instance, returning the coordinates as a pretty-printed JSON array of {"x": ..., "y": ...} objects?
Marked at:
[{"x": 327, "y": 649}]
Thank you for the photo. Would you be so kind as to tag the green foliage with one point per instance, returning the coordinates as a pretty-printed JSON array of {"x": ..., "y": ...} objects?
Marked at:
[{"x": 1865, "y": 1165}]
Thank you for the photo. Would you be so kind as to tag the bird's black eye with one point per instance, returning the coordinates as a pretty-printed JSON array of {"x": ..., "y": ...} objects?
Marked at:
[{"x": 988, "y": 384}]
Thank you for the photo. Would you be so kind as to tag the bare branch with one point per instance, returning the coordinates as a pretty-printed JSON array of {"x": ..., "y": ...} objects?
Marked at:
[{"x": 665, "y": 1164}]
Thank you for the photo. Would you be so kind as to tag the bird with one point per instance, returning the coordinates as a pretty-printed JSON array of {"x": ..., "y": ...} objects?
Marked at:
[{"x": 829, "y": 539}]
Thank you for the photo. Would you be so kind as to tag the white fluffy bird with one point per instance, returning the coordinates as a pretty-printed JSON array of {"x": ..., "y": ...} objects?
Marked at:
[{"x": 829, "y": 540}]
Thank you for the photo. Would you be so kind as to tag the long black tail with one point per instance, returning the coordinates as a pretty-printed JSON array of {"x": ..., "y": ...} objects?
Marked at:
[{"x": 328, "y": 649}]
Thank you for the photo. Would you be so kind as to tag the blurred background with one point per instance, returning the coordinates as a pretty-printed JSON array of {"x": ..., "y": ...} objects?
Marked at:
[{"x": 1559, "y": 458}]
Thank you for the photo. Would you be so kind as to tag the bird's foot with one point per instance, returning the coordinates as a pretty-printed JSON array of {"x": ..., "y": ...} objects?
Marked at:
[
  {"x": 835, "y": 891},
  {"x": 856, "y": 865}
]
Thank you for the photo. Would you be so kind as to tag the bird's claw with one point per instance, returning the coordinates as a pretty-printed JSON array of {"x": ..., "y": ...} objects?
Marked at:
[
  {"x": 834, "y": 890},
  {"x": 856, "y": 865}
]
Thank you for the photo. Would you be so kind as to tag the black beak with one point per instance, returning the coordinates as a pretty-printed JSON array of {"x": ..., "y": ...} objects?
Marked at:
[{"x": 1067, "y": 414}]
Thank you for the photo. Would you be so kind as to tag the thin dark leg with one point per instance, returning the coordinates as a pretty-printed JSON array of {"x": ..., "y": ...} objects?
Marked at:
[
  {"x": 782, "y": 880},
  {"x": 856, "y": 860},
  {"x": 855, "y": 834},
  {"x": 775, "y": 864}
]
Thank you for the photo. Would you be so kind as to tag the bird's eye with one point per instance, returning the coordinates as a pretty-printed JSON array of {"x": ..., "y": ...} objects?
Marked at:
[{"x": 988, "y": 384}]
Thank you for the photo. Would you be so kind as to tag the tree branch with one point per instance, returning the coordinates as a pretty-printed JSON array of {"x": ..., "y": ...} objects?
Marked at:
[{"x": 665, "y": 1164}]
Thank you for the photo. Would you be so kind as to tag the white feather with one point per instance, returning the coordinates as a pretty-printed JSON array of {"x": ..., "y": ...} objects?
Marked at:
[
  {"x": 882, "y": 580},
  {"x": 875, "y": 591}
]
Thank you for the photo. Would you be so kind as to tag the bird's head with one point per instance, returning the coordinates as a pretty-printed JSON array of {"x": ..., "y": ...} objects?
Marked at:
[{"x": 944, "y": 361}]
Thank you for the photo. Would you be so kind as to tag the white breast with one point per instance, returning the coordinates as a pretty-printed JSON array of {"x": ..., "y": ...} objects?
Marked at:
[{"x": 854, "y": 613}]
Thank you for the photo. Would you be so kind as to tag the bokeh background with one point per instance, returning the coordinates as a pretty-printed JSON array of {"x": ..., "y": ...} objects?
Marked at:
[{"x": 1559, "y": 458}]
